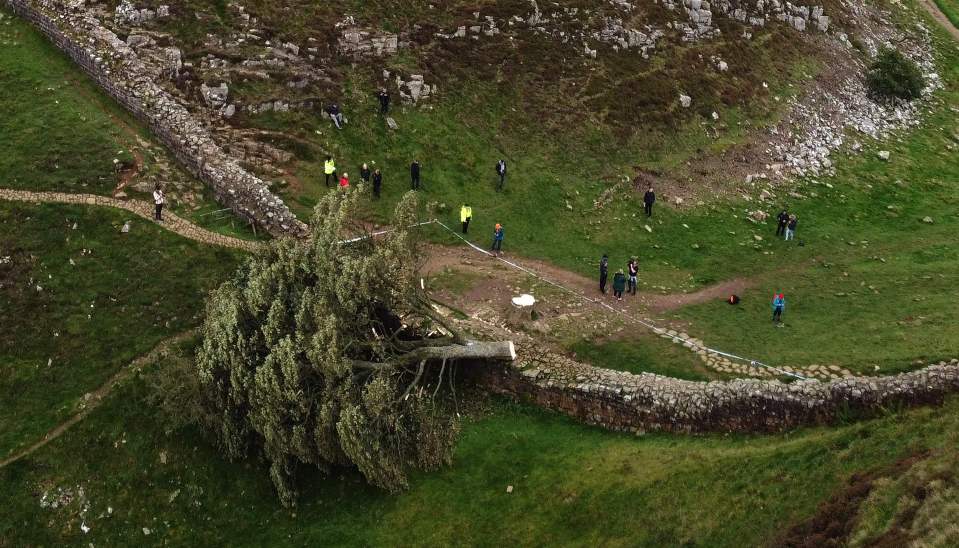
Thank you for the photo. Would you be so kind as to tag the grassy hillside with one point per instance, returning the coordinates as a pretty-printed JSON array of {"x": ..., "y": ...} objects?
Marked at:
[
  {"x": 61, "y": 133},
  {"x": 570, "y": 484},
  {"x": 79, "y": 300},
  {"x": 570, "y": 125},
  {"x": 951, "y": 9},
  {"x": 873, "y": 285}
]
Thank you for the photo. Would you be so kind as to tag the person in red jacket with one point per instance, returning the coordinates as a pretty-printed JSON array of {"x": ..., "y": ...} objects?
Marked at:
[{"x": 345, "y": 180}]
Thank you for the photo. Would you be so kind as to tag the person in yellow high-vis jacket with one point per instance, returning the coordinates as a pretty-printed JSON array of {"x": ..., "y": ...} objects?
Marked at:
[
  {"x": 466, "y": 215},
  {"x": 329, "y": 169}
]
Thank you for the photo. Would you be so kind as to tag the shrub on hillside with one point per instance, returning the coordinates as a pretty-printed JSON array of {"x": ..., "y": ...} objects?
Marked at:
[{"x": 894, "y": 76}]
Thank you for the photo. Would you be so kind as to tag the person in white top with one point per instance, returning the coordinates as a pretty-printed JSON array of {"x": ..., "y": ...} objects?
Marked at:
[{"x": 158, "y": 200}]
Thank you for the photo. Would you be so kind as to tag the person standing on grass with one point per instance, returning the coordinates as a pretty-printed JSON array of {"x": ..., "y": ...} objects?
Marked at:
[
  {"x": 633, "y": 269},
  {"x": 415, "y": 175},
  {"x": 365, "y": 173},
  {"x": 791, "y": 227},
  {"x": 329, "y": 169},
  {"x": 782, "y": 220},
  {"x": 377, "y": 183},
  {"x": 501, "y": 171},
  {"x": 158, "y": 200},
  {"x": 466, "y": 215},
  {"x": 603, "y": 273},
  {"x": 779, "y": 304},
  {"x": 648, "y": 200},
  {"x": 619, "y": 284},
  {"x": 345, "y": 180},
  {"x": 384, "y": 98},
  {"x": 498, "y": 236}
]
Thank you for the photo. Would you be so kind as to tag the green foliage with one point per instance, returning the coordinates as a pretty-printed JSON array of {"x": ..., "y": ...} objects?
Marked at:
[
  {"x": 175, "y": 390},
  {"x": 303, "y": 354},
  {"x": 894, "y": 76}
]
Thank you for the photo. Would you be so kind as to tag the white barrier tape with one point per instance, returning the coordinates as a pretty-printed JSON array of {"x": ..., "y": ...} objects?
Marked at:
[
  {"x": 380, "y": 233},
  {"x": 657, "y": 330}
]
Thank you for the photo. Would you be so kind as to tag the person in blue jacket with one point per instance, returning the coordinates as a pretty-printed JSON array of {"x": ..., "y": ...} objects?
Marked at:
[
  {"x": 779, "y": 304},
  {"x": 497, "y": 239}
]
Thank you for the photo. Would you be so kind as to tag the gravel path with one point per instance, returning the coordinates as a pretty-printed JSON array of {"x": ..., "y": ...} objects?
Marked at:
[{"x": 170, "y": 222}]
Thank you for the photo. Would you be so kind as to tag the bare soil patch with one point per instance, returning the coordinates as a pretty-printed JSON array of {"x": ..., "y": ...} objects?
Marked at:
[{"x": 835, "y": 518}]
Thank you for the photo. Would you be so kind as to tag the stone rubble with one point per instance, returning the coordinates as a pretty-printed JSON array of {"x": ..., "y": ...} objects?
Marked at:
[{"x": 357, "y": 42}]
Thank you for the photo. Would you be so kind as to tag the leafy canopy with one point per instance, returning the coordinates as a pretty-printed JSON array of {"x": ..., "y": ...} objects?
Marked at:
[{"x": 303, "y": 359}]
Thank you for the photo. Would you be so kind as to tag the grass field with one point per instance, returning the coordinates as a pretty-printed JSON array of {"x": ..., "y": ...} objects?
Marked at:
[
  {"x": 79, "y": 300},
  {"x": 638, "y": 354}
]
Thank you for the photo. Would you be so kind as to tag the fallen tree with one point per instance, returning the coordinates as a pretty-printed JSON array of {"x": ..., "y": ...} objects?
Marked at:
[{"x": 325, "y": 353}]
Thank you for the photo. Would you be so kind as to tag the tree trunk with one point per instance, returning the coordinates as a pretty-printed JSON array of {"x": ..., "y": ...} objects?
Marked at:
[
  {"x": 472, "y": 350},
  {"x": 498, "y": 351}
]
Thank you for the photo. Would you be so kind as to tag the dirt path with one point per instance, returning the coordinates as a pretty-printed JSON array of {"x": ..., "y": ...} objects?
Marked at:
[
  {"x": 95, "y": 398},
  {"x": 937, "y": 14},
  {"x": 720, "y": 291},
  {"x": 464, "y": 258},
  {"x": 143, "y": 209},
  {"x": 486, "y": 287}
]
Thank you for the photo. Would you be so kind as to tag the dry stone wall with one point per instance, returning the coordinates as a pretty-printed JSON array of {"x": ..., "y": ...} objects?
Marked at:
[
  {"x": 643, "y": 403},
  {"x": 119, "y": 71}
]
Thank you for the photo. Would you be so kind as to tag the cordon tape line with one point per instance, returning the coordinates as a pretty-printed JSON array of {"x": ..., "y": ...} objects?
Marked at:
[{"x": 648, "y": 325}]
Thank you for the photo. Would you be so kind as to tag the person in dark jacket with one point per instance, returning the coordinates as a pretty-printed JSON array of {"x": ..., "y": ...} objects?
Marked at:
[
  {"x": 791, "y": 227},
  {"x": 415, "y": 175},
  {"x": 648, "y": 200},
  {"x": 365, "y": 173},
  {"x": 501, "y": 171},
  {"x": 603, "y": 273},
  {"x": 333, "y": 110},
  {"x": 384, "y": 98},
  {"x": 497, "y": 239},
  {"x": 632, "y": 268},
  {"x": 619, "y": 284},
  {"x": 781, "y": 221},
  {"x": 377, "y": 183}
]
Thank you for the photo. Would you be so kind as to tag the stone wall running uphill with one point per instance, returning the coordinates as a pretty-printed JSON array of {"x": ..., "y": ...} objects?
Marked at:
[{"x": 118, "y": 70}]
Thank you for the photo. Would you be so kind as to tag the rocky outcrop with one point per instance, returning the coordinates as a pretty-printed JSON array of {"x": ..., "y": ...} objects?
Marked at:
[
  {"x": 122, "y": 74},
  {"x": 358, "y": 42}
]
